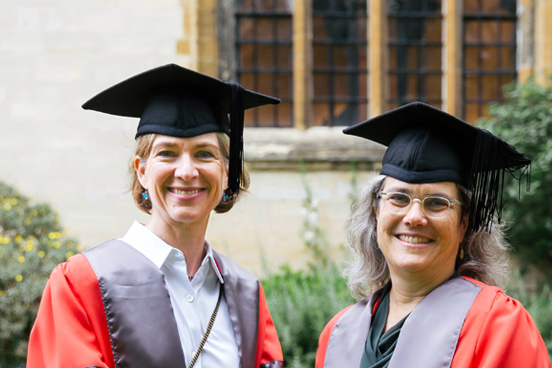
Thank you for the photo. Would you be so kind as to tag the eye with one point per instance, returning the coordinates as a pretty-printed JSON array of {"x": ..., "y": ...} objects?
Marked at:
[
  {"x": 166, "y": 153},
  {"x": 205, "y": 154},
  {"x": 399, "y": 199},
  {"x": 436, "y": 204}
]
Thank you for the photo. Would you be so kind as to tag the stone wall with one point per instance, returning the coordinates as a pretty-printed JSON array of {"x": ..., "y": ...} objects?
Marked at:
[{"x": 55, "y": 54}]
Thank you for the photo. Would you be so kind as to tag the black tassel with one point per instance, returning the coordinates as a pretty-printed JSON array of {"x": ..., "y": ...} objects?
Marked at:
[
  {"x": 237, "y": 109},
  {"x": 492, "y": 159}
]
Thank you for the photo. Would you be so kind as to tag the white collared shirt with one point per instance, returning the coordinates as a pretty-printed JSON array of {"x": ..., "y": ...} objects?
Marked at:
[{"x": 193, "y": 302}]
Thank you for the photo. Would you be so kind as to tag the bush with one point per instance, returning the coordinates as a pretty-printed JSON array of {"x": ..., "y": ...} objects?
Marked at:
[
  {"x": 301, "y": 303},
  {"x": 31, "y": 245},
  {"x": 538, "y": 304},
  {"x": 525, "y": 121}
]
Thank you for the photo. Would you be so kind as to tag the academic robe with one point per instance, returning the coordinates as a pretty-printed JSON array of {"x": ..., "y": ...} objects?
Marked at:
[
  {"x": 109, "y": 307},
  {"x": 462, "y": 323}
]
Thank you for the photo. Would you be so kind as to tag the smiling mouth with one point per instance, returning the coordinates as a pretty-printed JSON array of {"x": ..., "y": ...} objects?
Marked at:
[
  {"x": 414, "y": 239},
  {"x": 184, "y": 192}
]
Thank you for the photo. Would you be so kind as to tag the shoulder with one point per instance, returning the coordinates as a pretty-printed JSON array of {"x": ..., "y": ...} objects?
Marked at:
[
  {"x": 498, "y": 332},
  {"x": 354, "y": 311},
  {"x": 493, "y": 299},
  {"x": 73, "y": 281},
  {"x": 76, "y": 269},
  {"x": 496, "y": 324},
  {"x": 331, "y": 324},
  {"x": 326, "y": 335}
]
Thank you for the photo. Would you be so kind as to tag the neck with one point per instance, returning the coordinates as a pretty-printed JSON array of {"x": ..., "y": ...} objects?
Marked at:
[
  {"x": 407, "y": 291},
  {"x": 188, "y": 238},
  {"x": 411, "y": 288}
]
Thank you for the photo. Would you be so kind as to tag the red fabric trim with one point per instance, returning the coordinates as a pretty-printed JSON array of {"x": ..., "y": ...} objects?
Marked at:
[
  {"x": 499, "y": 333},
  {"x": 376, "y": 305},
  {"x": 268, "y": 345},
  {"x": 71, "y": 327},
  {"x": 325, "y": 338},
  {"x": 218, "y": 266}
]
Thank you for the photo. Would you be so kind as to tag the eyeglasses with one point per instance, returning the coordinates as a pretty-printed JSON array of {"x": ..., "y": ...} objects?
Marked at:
[{"x": 432, "y": 206}]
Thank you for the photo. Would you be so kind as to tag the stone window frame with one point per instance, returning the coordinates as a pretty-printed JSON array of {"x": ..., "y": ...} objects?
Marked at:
[{"x": 378, "y": 94}]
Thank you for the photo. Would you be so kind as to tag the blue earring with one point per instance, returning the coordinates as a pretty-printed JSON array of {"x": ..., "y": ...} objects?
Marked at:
[{"x": 145, "y": 195}]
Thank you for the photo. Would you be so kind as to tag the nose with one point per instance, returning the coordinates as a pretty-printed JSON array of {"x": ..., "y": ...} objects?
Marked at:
[
  {"x": 186, "y": 168},
  {"x": 415, "y": 216}
]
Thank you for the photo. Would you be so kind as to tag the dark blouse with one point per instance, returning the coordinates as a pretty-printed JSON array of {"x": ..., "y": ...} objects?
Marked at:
[{"x": 380, "y": 346}]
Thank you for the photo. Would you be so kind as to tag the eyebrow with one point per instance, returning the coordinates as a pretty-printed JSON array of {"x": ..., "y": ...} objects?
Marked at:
[
  {"x": 173, "y": 144},
  {"x": 201, "y": 145},
  {"x": 164, "y": 144},
  {"x": 409, "y": 192}
]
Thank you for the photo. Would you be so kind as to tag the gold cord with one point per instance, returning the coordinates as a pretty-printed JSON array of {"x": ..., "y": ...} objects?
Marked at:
[{"x": 209, "y": 327}]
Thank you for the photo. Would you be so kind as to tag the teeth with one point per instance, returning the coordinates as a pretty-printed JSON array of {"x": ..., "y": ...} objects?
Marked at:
[
  {"x": 413, "y": 239},
  {"x": 185, "y": 192}
]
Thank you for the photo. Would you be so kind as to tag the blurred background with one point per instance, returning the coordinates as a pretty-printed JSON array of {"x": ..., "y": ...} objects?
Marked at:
[{"x": 333, "y": 63}]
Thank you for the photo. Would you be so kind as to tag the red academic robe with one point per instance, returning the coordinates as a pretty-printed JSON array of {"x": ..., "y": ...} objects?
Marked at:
[
  {"x": 491, "y": 330},
  {"x": 71, "y": 329}
]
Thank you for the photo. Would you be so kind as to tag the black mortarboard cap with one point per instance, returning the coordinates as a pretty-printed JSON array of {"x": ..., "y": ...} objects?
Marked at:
[
  {"x": 427, "y": 145},
  {"x": 179, "y": 102}
]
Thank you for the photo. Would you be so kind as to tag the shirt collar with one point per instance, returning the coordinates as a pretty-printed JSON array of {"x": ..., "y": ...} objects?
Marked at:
[{"x": 157, "y": 251}]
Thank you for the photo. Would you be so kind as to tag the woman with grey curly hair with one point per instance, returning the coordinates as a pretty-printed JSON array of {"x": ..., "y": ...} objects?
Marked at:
[{"x": 431, "y": 254}]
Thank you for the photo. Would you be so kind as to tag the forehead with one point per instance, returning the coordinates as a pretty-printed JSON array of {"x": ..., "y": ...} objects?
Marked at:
[
  {"x": 446, "y": 188},
  {"x": 208, "y": 139}
]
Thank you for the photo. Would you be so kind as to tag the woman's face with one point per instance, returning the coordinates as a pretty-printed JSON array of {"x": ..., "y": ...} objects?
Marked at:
[
  {"x": 185, "y": 178},
  {"x": 415, "y": 244}
]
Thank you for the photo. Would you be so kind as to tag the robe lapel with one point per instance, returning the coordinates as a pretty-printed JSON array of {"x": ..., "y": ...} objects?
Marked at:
[
  {"x": 430, "y": 334},
  {"x": 137, "y": 305},
  {"x": 349, "y": 335},
  {"x": 242, "y": 296}
]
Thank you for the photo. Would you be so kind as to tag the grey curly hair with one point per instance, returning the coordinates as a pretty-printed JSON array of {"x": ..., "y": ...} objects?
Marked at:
[{"x": 486, "y": 253}]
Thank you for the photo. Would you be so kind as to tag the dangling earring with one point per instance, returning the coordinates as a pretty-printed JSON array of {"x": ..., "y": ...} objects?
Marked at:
[
  {"x": 461, "y": 253},
  {"x": 225, "y": 198},
  {"x": 145, "y": 195}
]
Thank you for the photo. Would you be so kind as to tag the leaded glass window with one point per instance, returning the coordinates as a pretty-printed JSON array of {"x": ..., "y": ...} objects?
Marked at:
[
  {"x": 264, "y": 52},
  {"x": 489, "y": 53},
  {"x": 339, "y": 62},
  {"x": 415, "y": 52}
]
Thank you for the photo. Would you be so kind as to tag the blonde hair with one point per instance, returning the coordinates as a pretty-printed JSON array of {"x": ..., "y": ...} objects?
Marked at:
[
  {"x": 144, "y": 144},
  {"x": 485, "y": 259}
]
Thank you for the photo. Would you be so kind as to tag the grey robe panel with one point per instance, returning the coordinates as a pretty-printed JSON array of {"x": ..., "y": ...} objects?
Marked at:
[
  {"x": 242, "y": 296},
  {"x": 428, "y": 338},
  {"x": 137, "y": 305},
  {"x": 139, "y": 314}
]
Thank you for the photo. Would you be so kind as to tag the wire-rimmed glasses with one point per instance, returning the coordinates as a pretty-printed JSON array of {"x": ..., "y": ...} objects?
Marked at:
[{"x": 432, "y": 206}]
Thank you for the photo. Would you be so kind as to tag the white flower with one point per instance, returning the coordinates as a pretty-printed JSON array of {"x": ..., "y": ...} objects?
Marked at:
[{"x": 313, "y": 218}]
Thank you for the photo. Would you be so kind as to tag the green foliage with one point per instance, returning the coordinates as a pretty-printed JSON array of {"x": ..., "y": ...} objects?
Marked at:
[
  {"x": 538, "y": 304},
  {"x": 525, "y": 121},
  {"x": 301, "y": 303},
  {"x": 31, "y": 245}
]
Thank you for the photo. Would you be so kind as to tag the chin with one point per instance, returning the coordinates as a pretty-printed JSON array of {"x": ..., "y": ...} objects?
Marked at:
[{"x": 412, "y": 264}]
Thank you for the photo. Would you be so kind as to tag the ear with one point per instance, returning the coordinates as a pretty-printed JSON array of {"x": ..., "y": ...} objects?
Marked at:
[
  {"x": 464, "y": 226},
  {"x": 140, "y": 172},
  {"x": 375, "y": 206},
  {"x": 225, "y": 176}
]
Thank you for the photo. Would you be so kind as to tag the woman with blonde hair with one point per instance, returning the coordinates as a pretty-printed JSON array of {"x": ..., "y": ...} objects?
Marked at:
[{"x": 161, "y": 296}]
